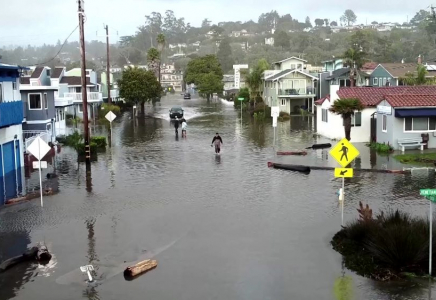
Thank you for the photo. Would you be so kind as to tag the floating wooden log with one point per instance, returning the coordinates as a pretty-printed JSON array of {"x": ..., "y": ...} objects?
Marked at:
[
  {"x": 301, "y": 169},
  {"x": 39, "y": 253},
  {"x": 320, "y": 146},
  {"x": 298, "y": 153},
  {"x": 30, "y": 196},
  {"x": 140, "y": 268}
]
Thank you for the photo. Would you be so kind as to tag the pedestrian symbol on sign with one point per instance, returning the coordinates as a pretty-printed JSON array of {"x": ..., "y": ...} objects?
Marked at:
[{"x": 344, "y": 151}]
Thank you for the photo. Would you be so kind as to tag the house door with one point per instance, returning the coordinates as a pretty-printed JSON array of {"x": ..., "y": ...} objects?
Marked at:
[
  {"x": 373, "y": 129},
  {"x": 10, "y": 172}
]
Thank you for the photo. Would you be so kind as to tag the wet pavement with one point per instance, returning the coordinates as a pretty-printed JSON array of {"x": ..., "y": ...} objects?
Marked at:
[{"x": 221, "y": 227}]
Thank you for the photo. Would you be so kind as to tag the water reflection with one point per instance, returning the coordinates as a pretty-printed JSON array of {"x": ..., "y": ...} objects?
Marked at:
[{"x": 91, "y": 291}]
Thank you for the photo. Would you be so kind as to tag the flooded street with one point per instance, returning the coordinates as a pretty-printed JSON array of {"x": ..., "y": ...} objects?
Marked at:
[{"x": 221, "y": 227}]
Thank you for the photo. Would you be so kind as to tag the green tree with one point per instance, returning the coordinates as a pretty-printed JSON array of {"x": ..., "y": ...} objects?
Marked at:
[
  {"x": 281, "y": 39},
  {"x": 420, "y": 16},
  {"x": 153, "y": 60},
  {"x": 206, "y": 73},
  {"x": 307, "y": 22},
  {"x": 160, "y": 47},
  {"x": 354, "y": 58},
  {"x": 224, "y": 55},
  {"x": 319, "y": 22},
  {"x": 346, "y": 108},
  {"x": 349, "y": 17},
  {"x": 139, "y": 86},
  {"x": 419, "y": 77},
  {"x": 254, "y": 78},
  {"x": 333, "y": 23}
]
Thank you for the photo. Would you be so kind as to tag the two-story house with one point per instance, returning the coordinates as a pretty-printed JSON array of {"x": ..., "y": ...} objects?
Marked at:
[
  {"x": 11, "y": 135},
  {"x": 170, "y": 78},
  {"x": 289, "y": 86},
  {"x": 114, "y": 92}
]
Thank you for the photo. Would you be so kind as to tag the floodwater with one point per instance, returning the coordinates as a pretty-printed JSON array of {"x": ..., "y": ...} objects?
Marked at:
[{"x": 221, "y": 227}]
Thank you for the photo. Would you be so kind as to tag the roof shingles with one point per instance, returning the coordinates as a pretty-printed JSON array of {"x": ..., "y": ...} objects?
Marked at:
[
  {"x": 37, "y": 72},
  {"x": 371, "y": 96},
  {"x": 57, "y": 72},
  {"x": 411, "y": 100}
]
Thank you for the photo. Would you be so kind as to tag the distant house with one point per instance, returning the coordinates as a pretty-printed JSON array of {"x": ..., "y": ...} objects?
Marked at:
[
  {"x": 290, "y": 87},
  {"x": 196, "y": 44},
  {"x": 333, "y": 64},
  {"x": 229, "y": 84},
  {"x": 269, "y": 41},
  {"x": 330, "y": 125},
  {"x": 390, "y": 74}
]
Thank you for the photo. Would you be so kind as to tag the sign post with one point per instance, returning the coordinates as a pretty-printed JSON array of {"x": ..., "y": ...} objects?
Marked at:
[
  {"x": 110, "y": 116},
  {"x": 275, "y": 112},
  {"x": 241, "y": 99},
  {"x": 430, "y": 195},
  {"x": 39, "y": 149},
  {"x": 344, "y": 153}
]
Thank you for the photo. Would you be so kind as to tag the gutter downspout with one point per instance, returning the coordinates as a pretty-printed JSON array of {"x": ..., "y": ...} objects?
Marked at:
[
  {"x": 3, "y": 173},
  {"x": 15, "y": 159}
]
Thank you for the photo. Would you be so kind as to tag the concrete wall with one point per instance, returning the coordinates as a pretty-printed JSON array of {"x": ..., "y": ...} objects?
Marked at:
[{"x": 40, "y": 114}]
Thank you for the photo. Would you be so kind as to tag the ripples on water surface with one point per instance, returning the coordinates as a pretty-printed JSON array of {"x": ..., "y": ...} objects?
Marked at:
[{"x": 243, "y": 231}]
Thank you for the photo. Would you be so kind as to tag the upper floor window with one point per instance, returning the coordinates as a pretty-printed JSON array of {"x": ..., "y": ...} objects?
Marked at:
[
  {"x": 35, "y": 101},
  {"x": 48, "y": 73},
  {"x": 375, "y": 81}
]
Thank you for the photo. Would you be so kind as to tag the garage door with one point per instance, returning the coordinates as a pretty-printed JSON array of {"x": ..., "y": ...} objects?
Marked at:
[{"x": 10, "y": 174}]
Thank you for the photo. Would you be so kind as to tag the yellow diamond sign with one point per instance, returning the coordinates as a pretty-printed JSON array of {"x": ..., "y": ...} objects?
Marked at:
[{"x": 344, "y": 152}]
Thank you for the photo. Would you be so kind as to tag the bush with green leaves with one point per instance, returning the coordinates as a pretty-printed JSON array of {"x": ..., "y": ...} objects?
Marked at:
[
  {"x": 381, "y": 147},
  {"x": 387, "y": 246},
  {"x": 243, "y": 93},
  {"x": 99, "y": 141},
  {"x": 106, "y": 107}
]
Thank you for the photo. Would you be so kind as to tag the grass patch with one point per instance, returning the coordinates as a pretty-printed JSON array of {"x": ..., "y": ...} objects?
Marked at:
[
  {"x": 422, "y": 158},
  {"x": 381, "y": 147},
  {"x": 389, "y": 246}
]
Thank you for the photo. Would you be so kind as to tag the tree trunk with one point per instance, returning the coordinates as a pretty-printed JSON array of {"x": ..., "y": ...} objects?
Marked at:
[
  {"x": 143, "y": 107},
  {"x": 347, "y": 127},
  {"x": 353, "y": 77}
]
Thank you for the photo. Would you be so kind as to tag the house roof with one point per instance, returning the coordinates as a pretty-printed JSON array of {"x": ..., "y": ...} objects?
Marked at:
[
  {"x": 286, "y": 72},
  {"x": 369, "y": 66},
  {"x": 37, "y": 73},
  {"x": 289, "y": 58},
  {"x": 6, "y": 66},
  {"x": 338, "y": 73},
  {"x": 399, "y": 69},
  {"x": 75, "y": 80},
  {"x": 371, "y": 96},
  {"x": 25, "y": 80},
  {"x": 321, "y": 101},
  {"x": 57, "y": 72},
  {"x": 411, "y": 100}
]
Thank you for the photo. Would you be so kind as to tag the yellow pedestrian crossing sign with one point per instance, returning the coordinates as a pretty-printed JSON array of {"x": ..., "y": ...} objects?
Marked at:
[
  {"x": 344, "y": 152},
  {"x": 343, "y": 172}
]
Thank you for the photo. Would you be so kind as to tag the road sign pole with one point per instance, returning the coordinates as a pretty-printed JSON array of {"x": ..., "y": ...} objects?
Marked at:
[
  {"x": 40, "y": 175},
  {"x": 343, "y": 201},
  {"x": 431, "y": 239}
]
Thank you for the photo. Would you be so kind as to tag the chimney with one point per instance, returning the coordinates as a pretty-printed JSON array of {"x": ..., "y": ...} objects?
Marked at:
[{"x": 419, "y": 59}]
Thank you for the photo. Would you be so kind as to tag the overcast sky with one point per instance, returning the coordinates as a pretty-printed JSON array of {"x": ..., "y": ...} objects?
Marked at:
[{"x": 45, "y": 21}]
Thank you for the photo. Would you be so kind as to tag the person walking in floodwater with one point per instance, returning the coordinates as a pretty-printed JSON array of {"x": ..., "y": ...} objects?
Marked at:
[
  {"x": 176, "y": 125},
  {"x": 344, "y": 151},
  {"x": 217, "y": 140},
  {"x": 184, "y": 127}
]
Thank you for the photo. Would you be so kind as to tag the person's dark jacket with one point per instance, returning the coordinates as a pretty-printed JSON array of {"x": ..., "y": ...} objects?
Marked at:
[
  {"x": 176, "y": 123},
  {"x": 217, "y": 138}
]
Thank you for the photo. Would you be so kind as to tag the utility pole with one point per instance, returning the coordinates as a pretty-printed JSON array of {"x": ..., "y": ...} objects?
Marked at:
[
  {"x": 81, "y": 12},
  {"x": 108, "y": 78}
]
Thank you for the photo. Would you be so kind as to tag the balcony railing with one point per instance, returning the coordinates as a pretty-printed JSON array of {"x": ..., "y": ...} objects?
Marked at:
[
  {"x": 63, "y": 101},
  {"x": 11, "y": 113},
  {"x": 297, "y": 92},
  {"x": 30, "y": 135},
  {"x": 92, "y": 96}
]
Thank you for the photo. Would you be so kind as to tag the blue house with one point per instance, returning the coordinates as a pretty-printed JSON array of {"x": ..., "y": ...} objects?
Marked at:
[{"x": 11, "y": 133}]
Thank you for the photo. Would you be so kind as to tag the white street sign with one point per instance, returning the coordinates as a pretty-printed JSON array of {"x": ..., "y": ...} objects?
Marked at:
[
  {"x": 37, "y": 164},
  {"x": 110, "y": 116},
  {"x": 274, "y": 121},
  {"x": 38, "y": 148},
  {"x": 275, "y": 111},
  {"x": 240, "y": 67}
]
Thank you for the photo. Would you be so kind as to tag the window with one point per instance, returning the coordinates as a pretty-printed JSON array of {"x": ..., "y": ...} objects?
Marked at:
[
  {"x": 35, "y": 101},
  {"x": 384, "y": 81},
  {"x": 48, "y": 73},
  {"x": 375, "y": 81},
  {"x": 80, "y": 108},
  {"x": 384, "y": 123},
  {"x": 356, "y": 120},
  {"x": 14, "y": 86},
  {"x": 419, "y": 124},
  {"x": 283, "y": 102},
  {"x": 325, "y": 114},
  {"x": 45, "y": 101}
]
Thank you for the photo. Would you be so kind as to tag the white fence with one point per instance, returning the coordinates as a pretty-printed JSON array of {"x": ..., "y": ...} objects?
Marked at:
[
  {"x": 92, "y": 96},
  {"x": 30, "y": 135}
]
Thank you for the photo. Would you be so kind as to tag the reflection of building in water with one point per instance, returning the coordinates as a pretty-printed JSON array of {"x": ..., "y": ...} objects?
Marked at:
[{"x": 13, "y": 244}]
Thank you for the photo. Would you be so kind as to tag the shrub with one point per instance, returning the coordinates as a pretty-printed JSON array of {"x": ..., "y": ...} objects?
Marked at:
[
  {"x": 100, "y": 141},
  {"x": 381, "y": 147},
  {"x": 284, "y": 116},
  {"x": 106, "y": 107},
  {"x": 243, "y": 93},
  {"x": 81, "y": 148}
]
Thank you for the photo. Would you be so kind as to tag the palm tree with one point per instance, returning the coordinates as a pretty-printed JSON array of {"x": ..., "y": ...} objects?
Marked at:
[
  {"x": 346, "y": 108},
  {"x": 354, "y": 59},
  {"x": 160, "y": 46},
  {"x": 153, "y": 60},
  {"x": 254, "y": 78},
  {"x": 420, "y": 78}
]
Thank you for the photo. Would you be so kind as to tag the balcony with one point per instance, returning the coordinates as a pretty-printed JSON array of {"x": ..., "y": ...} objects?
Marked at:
[
  {"x": 115, "y": 93},
  {"x": 92, "y": 97},
  {"x": 11, "y": 113},
  {"x": 297, "y": 93},
  {"x": 63, "y": 101}
]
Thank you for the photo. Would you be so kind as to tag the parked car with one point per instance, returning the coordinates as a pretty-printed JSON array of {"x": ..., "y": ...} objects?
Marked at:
[
  {"x": 176, "y": 111},
  {"x": 187, "y": 96}
]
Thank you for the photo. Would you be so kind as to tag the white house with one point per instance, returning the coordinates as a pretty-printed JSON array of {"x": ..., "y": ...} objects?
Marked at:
[
  {"x": 269, "y": 41},
  {"x": 289, "y": 86}
]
